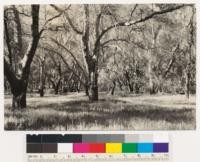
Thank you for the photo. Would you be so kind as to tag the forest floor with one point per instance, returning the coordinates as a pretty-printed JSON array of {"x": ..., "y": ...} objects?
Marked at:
[{"x": 73, "y": 111}]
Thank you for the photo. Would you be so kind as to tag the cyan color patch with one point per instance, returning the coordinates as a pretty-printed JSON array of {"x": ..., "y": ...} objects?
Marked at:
[{"x": 145, "y": 147}]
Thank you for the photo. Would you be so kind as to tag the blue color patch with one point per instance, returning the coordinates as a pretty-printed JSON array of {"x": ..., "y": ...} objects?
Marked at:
[{"x": 145, "y": 147}]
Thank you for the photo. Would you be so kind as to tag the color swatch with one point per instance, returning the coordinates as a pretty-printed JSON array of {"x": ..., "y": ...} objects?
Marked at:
[
  {"x": 93, "y": 143},
  {"x": 113, "y": 148},
  {"x": 129, "y": 148}
]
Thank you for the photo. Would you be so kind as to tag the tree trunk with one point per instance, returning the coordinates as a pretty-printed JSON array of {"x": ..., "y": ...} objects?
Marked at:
[
  {"x": 19, "y": 100},
  {"x": 41, "y": 89},
  {"x": 91, "y": 58},
  {"x": 151, "y": 84},
  {"x": 41, "y": 92},
  {"x": 19, "y": 95},
  {"x": 93, "y": 86},
  {"x": 137, "y": 77},
  {"x": 137, "y": 89},
  {"x": 19, "y": 84},
  {"x": 191, "y": 50},
  {"x": 160, "y": 84},
  {"x": 55, "y": 86},
  {"x": 187, "y": 83},
  {"x": 86, "y": 89},
  {"x": 129, "y": 83},
  {"x": 41, "y": 86},
  {"x": 78, "y": 86},
  {"x": 120, "y": 85},
  {"x": 113, "y": 88},
  {"x": 58, "y": 86},
  {"x": 56, "y": 90},
  {"x": 155, "y": 35},
  {"x": 130, "y": 86},
  {"x": 42, "y": 77}
]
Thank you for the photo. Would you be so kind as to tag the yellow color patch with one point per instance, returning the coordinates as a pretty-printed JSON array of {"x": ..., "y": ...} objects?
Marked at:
[{"x": 113, "y": 148}]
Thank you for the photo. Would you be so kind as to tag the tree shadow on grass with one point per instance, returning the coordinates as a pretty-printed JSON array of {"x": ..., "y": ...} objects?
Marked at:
[{"x": 102, "y": 113}]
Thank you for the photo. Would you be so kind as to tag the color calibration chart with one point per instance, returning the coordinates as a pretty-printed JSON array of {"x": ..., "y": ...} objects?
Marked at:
[{"x": 97, "y": 147}]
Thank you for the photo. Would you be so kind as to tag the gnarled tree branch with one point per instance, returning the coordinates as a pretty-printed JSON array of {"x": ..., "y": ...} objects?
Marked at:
[{"x": 142, "y": 19}]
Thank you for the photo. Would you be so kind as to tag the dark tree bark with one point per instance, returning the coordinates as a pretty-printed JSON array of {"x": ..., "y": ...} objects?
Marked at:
[
  {"x": 86, "y": 90},
  {"x": 19, "y": 95},
  {"x": 18, "y": 87},
  {"x": 113, "y": 88},
  {"x": 93, "y": 85},
  {"x": 41, "y": 91},
  {"x": 130, "y": 88},
  {"x": 19, "y": 84}
]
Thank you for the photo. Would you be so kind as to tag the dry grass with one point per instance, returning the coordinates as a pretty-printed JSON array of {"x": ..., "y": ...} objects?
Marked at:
[{"x": 75, "y": 112}]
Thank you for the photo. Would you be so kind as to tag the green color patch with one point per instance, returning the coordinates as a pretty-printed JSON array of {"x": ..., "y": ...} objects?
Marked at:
[{"x": 129, "y": 147}]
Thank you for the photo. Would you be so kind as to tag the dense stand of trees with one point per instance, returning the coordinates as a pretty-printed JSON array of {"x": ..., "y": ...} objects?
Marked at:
[{"x": 70, "y": 48}]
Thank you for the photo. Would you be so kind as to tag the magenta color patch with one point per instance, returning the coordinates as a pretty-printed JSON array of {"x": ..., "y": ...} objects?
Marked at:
[{"x": 81, "y": 148}]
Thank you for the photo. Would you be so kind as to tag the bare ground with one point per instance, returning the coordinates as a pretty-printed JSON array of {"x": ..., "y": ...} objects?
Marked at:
[{"x": 74, "y": 112}]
